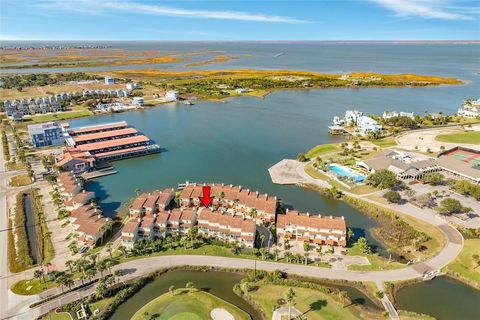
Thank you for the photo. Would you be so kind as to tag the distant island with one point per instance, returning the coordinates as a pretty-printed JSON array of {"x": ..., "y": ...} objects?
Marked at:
[{"x": 218, "y": 84}]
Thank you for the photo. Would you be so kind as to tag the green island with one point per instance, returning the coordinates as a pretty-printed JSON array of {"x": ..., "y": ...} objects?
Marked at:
[
  {"x": 188, "y": 303},
  {"x": 219, "y": 84}
]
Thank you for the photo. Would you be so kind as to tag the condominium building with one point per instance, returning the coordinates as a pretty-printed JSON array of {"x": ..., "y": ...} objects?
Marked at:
[
  {"x": 233, "y": 199},
  {"x": 227, "y": 227},
  {"x": 159, "y": 225},
  {"x": 316, "y": 229},
  {"x": 45, "y": 134}
]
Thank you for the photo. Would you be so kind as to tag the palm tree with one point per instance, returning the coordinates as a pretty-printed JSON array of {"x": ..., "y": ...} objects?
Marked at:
[
  {"x": 90, "y": 273},
  {"x": 193, "y": 234},
  {"x": 172, "y": 290},
  {"x": 69, "y": 264},
  {"x": 109, "y": 249},
  {"x": 276, "y": 252},
  {"x": 117, "y": 274},
  {"x": 306, "y": 246},
  {"x": 123, "y": 249},
  {"x": 190, "y": 286},
  {"x": 37, "y": 274},
  {"x": 262, "y": 239},
  {"x": 344, "y": 297},
  {"x": 290, "y": 298},
  {"x": 253, "y": 215}
]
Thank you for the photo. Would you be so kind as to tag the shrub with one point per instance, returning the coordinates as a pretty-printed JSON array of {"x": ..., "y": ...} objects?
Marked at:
[
  {"x": 383, "y": 179},
  {"x": 393, "y": 196}
]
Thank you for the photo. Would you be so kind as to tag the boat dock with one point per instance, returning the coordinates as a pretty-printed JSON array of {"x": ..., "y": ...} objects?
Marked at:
[
  {"x": 285, "y": 172},
  {"x": 98, "y": 173}
]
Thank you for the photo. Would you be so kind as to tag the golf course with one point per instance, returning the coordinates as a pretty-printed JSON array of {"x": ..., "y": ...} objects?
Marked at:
[{"x": 189, "y": 304}]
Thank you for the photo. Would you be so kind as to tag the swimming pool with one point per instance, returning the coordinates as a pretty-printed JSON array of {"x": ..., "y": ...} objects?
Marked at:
[{"x": 346, "y": 172}]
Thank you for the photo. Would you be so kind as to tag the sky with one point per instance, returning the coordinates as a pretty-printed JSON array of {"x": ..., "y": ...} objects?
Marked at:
[{"x": 230, "y": 20}]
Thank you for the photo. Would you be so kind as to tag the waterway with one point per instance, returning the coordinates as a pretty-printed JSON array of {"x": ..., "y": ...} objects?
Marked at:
[
  {"x": 31, "y": 223},
  {"x": 237, "y": 140},
  {"x": 216, "y": 282},
  {"x": 443, "y": 298}
]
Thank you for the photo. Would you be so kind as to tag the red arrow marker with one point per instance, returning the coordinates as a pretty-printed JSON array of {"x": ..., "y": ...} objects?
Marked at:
[{"x": 206, "y": 199}]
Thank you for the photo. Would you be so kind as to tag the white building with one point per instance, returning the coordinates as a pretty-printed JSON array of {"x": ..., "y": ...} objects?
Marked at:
[
  {"x": 470, "y": 109},
  {"x": 172, "y": 95},
  {"x": 132, "y": 86},
  {"x": 241, "y": 90},
  {"x": 366, "y": 124},
  {"x": 138, "y": 101},
  {"x": 109, "y": 80},
  {"x": 351, "y": 116},
  {"x": 394, "y": 114}
]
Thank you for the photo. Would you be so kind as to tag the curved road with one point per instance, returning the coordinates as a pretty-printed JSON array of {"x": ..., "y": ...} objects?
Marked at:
[{"x": 143, "y": 266}]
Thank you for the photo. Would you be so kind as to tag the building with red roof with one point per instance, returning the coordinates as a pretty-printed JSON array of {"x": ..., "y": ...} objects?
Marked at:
[
  {"x": 99, "y": 143},
  {"x": 316, "y": 229}
]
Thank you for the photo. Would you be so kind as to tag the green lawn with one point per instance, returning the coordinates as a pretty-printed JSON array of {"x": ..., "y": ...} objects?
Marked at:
[
  {"x": 58, "y": 116},
  {"x": 52, "y": 315},
  {"x": 35, "y": 286},
  {"x": 377, "y": 262},
  {"x": 471, "y": 137},
  {"x": 464, "y": 265},
  {"x": 186, "y": 305},
  {"x": 321, "y": 149},
  {"x": 314, "y": 304},
  {"x": 20, "y": 180},
  {"x": 385, "y": 143}
]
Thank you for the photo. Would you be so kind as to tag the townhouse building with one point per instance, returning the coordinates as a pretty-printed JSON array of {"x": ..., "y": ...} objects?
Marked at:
[{"x": 315, "y": 229}]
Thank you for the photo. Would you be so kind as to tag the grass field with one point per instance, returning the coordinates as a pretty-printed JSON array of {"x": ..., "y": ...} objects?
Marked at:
[
  {"x": 471, "y": 137},
  {"x": 185, "y": 305},
  {"x": 464, "y": 265},
  {"x": 20, "y": 180},
  {"x": 321, "y": 149},
  {"x": 57, "y": 116},
  {"x": 315, "y": 305},
  {"x": 34, "y": 284},
  {"x": 385, "y": 143}
]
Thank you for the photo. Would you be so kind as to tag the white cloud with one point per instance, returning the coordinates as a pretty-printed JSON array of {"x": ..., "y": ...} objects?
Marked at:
[
  {"x": 432, "y": 9},
  {"x": 102, "y": 7}
]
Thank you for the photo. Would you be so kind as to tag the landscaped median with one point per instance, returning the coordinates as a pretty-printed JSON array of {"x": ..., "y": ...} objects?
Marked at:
[{"x": 20, "y": 180}]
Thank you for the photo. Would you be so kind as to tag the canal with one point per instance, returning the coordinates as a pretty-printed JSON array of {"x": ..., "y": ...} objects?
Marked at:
[
  {"x": 443, "y": 298},
  {"x": 31, "y": 224}
]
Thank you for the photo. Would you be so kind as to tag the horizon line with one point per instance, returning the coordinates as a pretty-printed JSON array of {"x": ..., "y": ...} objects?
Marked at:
[{"x": 265, "y": 41}]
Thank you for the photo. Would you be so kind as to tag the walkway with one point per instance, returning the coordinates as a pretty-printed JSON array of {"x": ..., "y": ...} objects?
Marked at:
[{"x": 283, "y": 311}]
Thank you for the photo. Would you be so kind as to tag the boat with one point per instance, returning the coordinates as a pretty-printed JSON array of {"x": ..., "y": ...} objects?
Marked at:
[
  {"x": 279, "y": 54},
  {"x": 188, "y": 102}
]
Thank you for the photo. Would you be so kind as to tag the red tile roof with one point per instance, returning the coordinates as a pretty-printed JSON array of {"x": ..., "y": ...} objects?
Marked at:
[
  {"x": 130, "y": 226},
  {"x": 138, "y": 202},
  {"x": 314, "y": 221},
  {"x": 105, "y": 134},
  {"x": 112, "y": 143}
]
